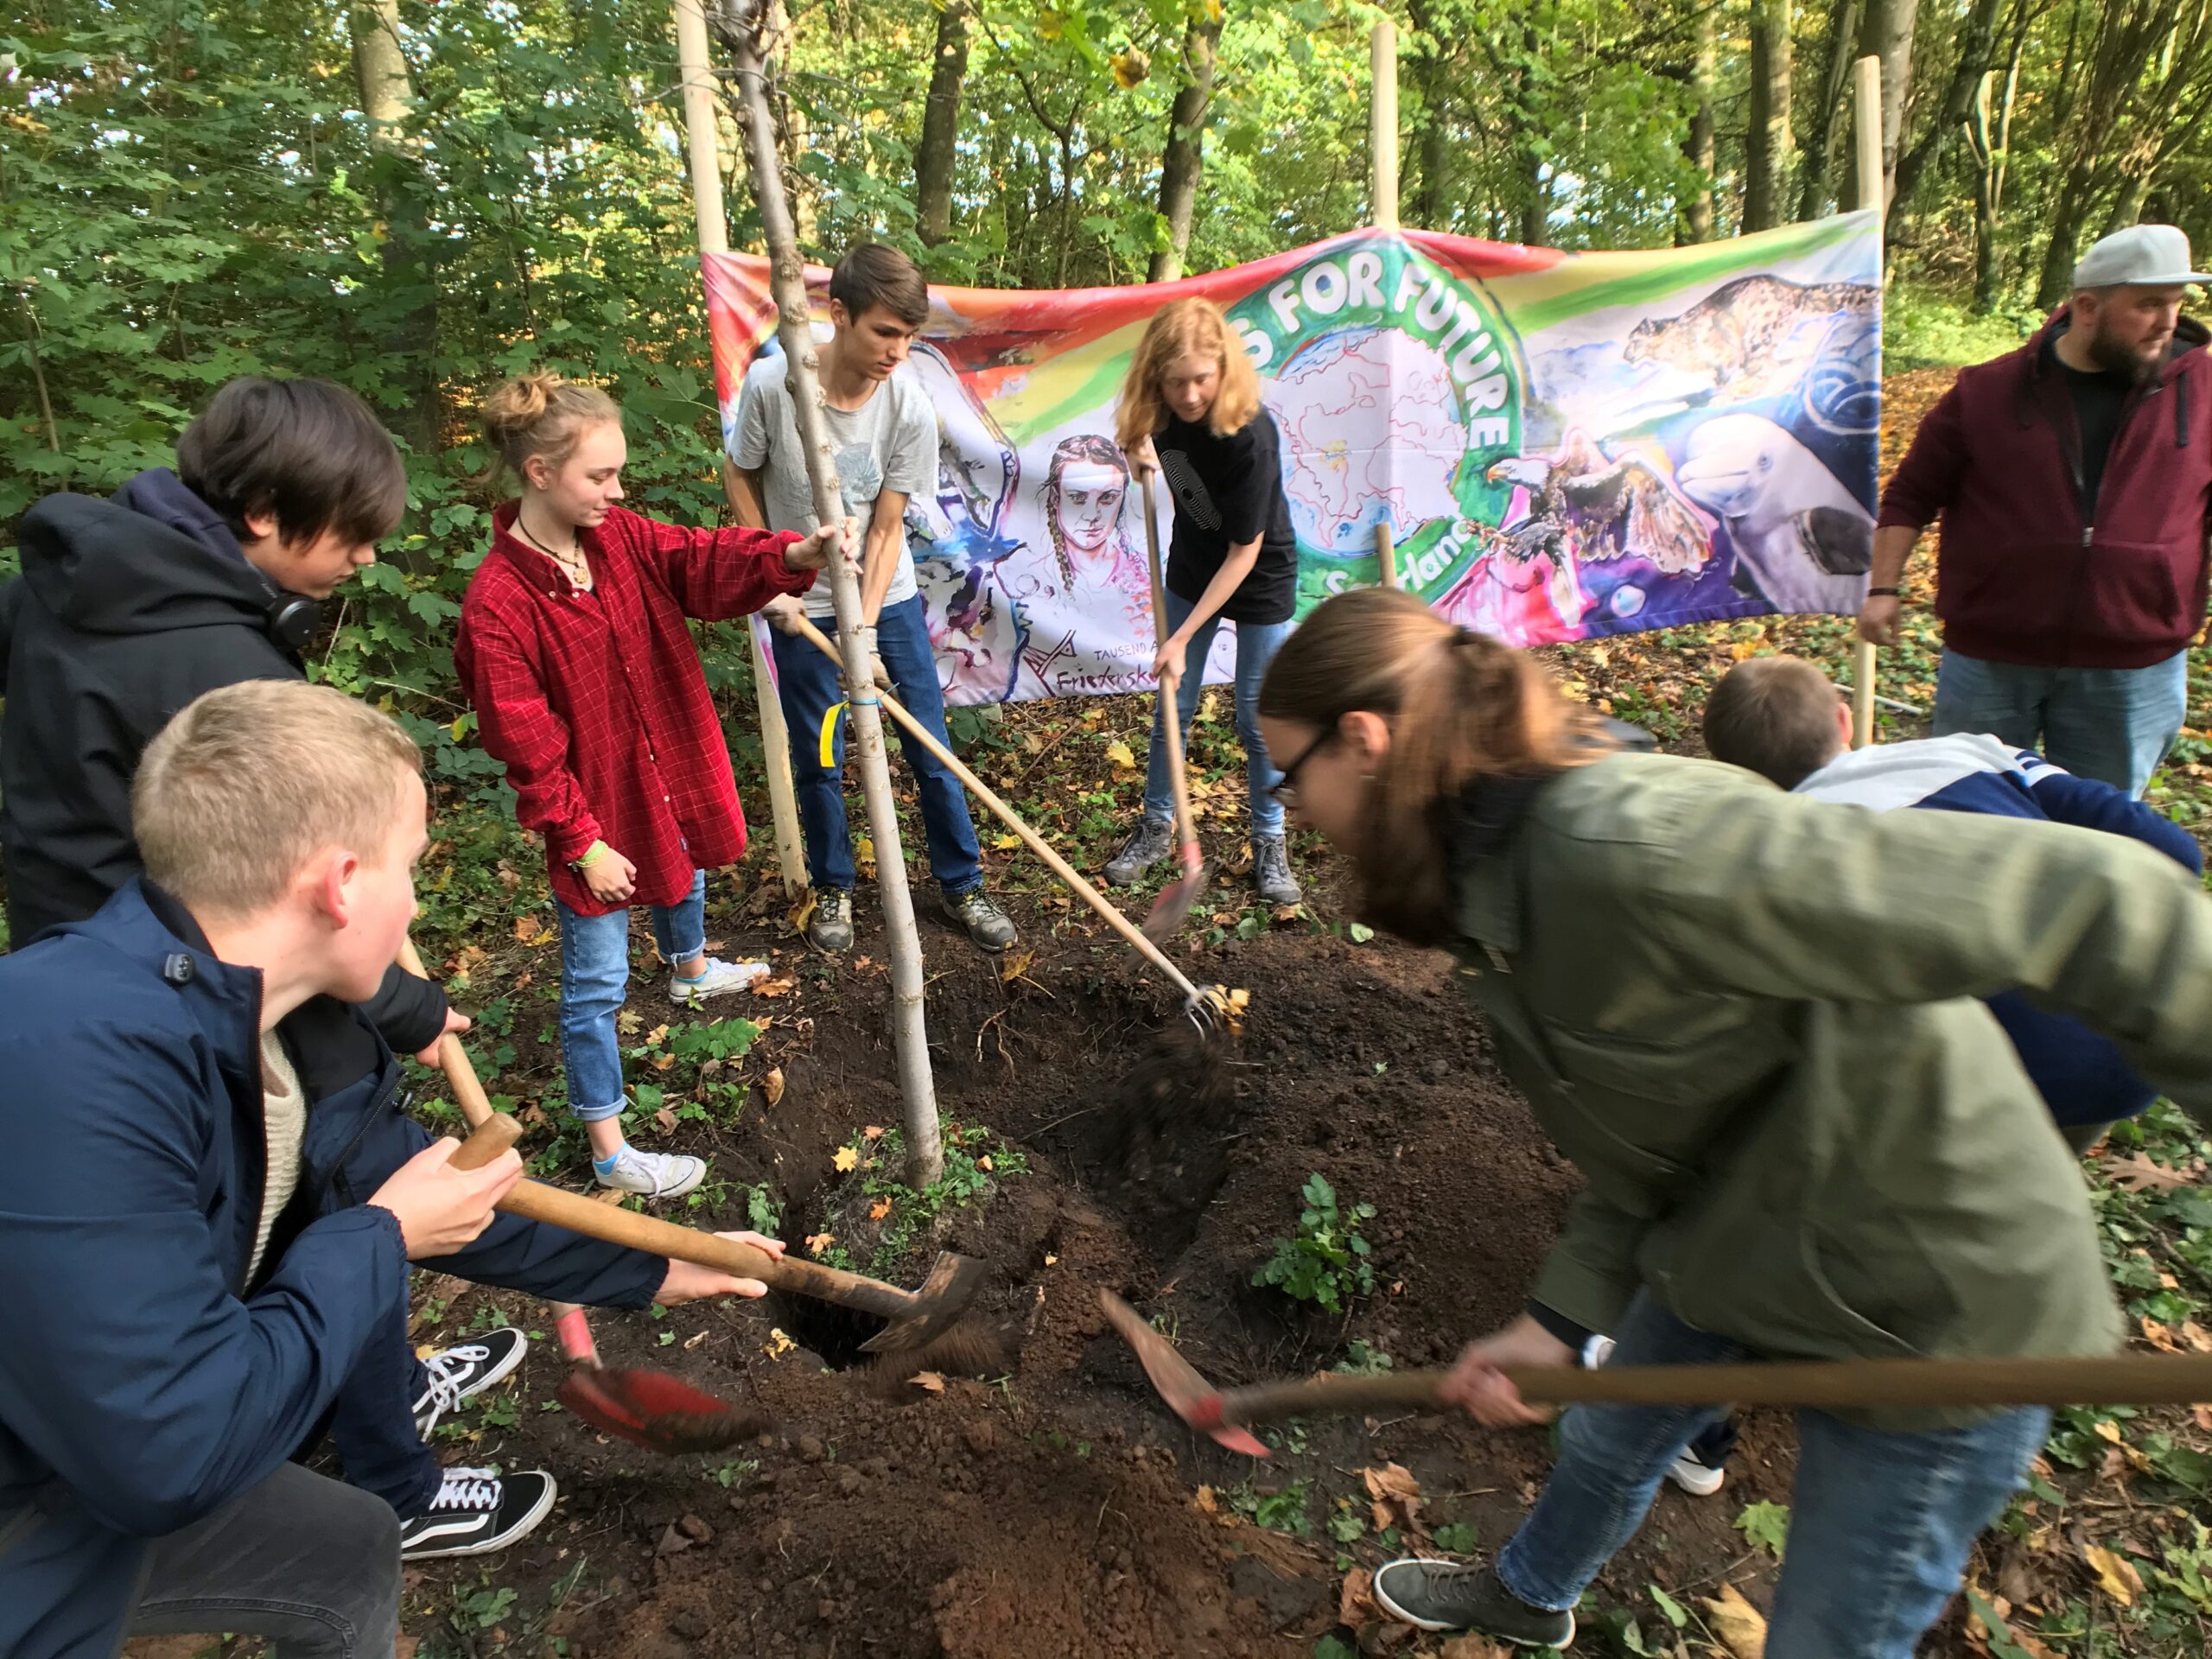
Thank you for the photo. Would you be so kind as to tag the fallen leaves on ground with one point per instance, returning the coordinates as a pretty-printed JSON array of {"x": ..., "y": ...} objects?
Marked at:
[
  {"x": 1117, "y": 753},
  {"x": 1356, "y": 1600},
  {"x": 777, "y": 1344},
  {"x": 1740, "y": 1626},
  {"x": 879, "y": 1210},
  {"x": 2116, "y": 1574},
  {"x": 930, "y": 1382},
  {"x": 1204, "y": 1498},
  {"x": 872, "y": 1132},
  {"x": 2138, "y": 1174},
  {"x": 531, "y": 930},
  {"x": 664, "y": 1119},
  {"x": 1396, "y": 1497},
  {"x": 772, "y": 1086},
  {"x": 1012, "y": 967},
  {"x": 846, "y": 1159},
  {"x": 818, "y": 1242},
  {"x": 779, "y": 985},
  {"x": 801, "y": 912}
]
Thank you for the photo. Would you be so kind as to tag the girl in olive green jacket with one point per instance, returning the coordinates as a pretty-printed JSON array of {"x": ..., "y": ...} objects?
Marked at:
[{"x": 1748, "y": 1017}]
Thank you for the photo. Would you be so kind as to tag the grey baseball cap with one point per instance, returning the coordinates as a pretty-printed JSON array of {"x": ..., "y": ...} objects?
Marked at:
[{"x": 2149, "y": 256}]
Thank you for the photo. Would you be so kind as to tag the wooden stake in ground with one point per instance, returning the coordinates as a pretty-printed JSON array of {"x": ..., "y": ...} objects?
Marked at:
[
  {"x": 699, "y": 103},
  {"x": 1382, "y": 144},
  {"x": 742, "y": 25},
  {"x": 1867, "y": 78}
]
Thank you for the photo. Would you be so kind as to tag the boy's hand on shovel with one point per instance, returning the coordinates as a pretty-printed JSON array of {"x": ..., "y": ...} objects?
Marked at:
[
  {"x": 456, "y": 1023},
  {"x": 1478, "y": 1386},
  {"x": 688, "y": 1281},
  {"x": 439, "y": 1208}
]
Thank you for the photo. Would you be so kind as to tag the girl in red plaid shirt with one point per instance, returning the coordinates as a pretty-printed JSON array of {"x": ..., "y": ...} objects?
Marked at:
[{"x": 587, "y": 684}]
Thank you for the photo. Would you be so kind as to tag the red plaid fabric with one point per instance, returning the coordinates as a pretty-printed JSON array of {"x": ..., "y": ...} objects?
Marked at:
[{"x": 597, "y": 702}]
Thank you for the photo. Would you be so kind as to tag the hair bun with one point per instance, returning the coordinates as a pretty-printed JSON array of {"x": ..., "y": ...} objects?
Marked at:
[{"x": 519, "y": 403}]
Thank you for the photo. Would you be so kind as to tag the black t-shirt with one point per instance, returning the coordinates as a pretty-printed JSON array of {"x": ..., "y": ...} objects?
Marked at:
[
  {"x": 2099, "y": 398},
  {"x": 1229, "y": 491}
]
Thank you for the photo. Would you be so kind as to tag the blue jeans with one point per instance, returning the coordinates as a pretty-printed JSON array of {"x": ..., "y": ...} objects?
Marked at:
[
  {"x": 809, "y": 685},
  {"x": 1256, "y": 645},
  {"x": 595, "y": 973},
  {"x": 1879, "y": 1528},
  {"x": 2112, "y": 724}
]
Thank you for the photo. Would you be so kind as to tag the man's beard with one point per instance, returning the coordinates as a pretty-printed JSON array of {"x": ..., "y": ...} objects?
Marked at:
[{"x": 2113, "y": 357}]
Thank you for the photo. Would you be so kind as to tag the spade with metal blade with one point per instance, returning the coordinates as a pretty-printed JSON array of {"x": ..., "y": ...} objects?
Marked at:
[
  {"x": 648, "y": 1409},
  {"x": 1172, "y": 908},
  {"x": 1828, "y": 1385}
]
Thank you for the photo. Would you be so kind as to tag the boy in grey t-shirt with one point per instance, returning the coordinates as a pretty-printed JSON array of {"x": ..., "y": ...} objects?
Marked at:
[{"x": 884, "y": 435}]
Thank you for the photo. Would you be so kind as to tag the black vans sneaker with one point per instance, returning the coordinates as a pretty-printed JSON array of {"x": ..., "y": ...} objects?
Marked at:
[
  {"x": 1448, "y": 1596},
  {"x": 457, "y": 1373},
  {"x": 476, "y": 1512}
]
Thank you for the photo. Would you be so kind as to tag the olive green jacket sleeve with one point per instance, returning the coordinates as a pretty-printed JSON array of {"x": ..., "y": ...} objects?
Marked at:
[{"x": 1777, "y": 896}]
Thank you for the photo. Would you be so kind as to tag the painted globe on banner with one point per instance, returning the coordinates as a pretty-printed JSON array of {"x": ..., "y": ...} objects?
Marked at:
[{"x": 1372, "y": 431}]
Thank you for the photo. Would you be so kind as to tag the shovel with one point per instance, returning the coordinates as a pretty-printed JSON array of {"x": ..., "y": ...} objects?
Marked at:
[
  {"x": 922, "y": 1328},
  {"x": 1173, "y": 907},
  {"x": 1831, "y": 1385},
  {"x": 648, "y": 1409}
]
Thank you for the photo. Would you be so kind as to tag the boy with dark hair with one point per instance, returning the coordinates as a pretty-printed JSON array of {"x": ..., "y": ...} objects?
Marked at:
[
  {"x": 886, "y": 440},
  {"x": 214, "y": 1255}
]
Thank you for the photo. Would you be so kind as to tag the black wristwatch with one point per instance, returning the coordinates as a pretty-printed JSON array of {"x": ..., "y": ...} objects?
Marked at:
[{"x": 1885, "y": 592}]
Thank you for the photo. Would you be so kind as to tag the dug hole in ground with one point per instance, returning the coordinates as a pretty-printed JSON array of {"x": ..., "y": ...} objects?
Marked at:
[{"x": 1059, "y": 1509}]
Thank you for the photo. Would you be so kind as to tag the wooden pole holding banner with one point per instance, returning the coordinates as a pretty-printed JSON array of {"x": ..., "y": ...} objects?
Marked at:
[
  {"x": 1866, "y": 85},
  {"x": 743, "y": 27},
  {"x": 1383, "y": 145},
  {"x": 699, "y": 104},
  {"x": 1383, "y": 140}
]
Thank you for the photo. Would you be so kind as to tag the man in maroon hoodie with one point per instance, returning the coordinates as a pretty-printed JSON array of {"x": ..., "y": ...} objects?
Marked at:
[{"x": 2073, "y": 477}]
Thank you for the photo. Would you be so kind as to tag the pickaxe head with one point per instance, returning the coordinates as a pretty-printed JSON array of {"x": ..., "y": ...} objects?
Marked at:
[{"x": 935, "y": 1308}]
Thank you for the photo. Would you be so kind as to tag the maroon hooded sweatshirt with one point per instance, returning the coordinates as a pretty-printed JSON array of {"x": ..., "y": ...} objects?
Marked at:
[{"x": 2026, "y": 573}]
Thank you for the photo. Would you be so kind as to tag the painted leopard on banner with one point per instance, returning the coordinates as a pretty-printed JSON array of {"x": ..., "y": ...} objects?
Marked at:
[{"x": 1753, "y": 335}]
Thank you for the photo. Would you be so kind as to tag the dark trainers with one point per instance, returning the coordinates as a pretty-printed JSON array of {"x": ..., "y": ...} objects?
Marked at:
[
  {"x": 1271, "y": 871},
  {"x": 1447, "y": 1596},
  {"x": 1153, "y": 840},
  {"x": 477, "y": 1511},
  {"x": 830, "y": 928},
  {"x": 453, "y": 1376},
  {"x": 987, "y": 925}
]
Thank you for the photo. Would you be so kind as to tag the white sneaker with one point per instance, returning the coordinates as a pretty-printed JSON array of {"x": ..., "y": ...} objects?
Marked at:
[
  {"x": 654, "y": 1174},
  {"x": 458, "y": 1373},
  {"x": 477, "y": 1511},
  {"x": 718, "y": 978}
]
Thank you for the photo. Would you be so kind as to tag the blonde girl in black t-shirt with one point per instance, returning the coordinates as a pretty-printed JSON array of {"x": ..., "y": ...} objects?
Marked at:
[{"x": 1190, "y": 411}]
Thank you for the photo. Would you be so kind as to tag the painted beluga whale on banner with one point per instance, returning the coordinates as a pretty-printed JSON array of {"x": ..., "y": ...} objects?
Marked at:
[{"x": 1802, "y": 542}]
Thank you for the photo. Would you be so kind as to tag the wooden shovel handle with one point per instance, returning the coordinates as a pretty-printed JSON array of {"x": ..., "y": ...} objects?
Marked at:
[
  {"x": 579, "y": 1214},
  {"x": 2106, "y": 1379},
  {"x": 460, "y": 1077},
  {"x": 1171, "y": 713},
  {"x": 1106, "y": 908}
]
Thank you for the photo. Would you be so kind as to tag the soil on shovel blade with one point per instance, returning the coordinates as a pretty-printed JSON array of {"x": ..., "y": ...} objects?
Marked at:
[{"x": 1055, "y": 1509}]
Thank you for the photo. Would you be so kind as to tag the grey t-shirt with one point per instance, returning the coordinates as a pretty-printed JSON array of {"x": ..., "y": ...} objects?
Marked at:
[{"x": 888, "y": 443}]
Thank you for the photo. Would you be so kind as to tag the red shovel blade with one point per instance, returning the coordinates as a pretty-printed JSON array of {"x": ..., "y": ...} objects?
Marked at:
[
  {"x": 654, "y": 1410},
  {"x": 1187, "y": 1394},
  {"x": 1173, "y": 907}
]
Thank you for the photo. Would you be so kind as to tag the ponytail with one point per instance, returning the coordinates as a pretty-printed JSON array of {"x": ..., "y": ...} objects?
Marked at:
[{"x": 1463, "y": 708}]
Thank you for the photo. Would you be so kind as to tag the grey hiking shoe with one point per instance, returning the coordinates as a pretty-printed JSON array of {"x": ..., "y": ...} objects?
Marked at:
[
  {"x": 1271, "y": 871},
  {"x": 987, "y": 925},
  {"x": 830, "y": 928},
  {"x": 1153, "y": 840},
  {"x": 1452, "y": 1596}
]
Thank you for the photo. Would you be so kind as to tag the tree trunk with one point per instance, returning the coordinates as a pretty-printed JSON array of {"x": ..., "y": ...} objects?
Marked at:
[
  {"x": 1535, "y": 197},
  {"x": 1887, "y": 34},
  {"x": 1183, "y": 159},
  {"x": 934, "y": 160},
  {"x": 411, "y": 340},
  {"x": 1989, "y": 133},
  {"x": 1432, "y": 79},
  {"x": 1768, "y": 138},
  {"x": 1977, "y": 52},
  {"x": 2127, "y": 206},
  {"x": 739, "y": 24},
  {"x": 1817, "y": 191},
  {"x": 2068, "y": 215},
  {"x": 1697, "y": 214}
]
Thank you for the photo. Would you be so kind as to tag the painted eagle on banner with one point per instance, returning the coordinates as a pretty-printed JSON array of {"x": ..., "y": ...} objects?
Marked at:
[{"x": 1586, "y": 504}]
